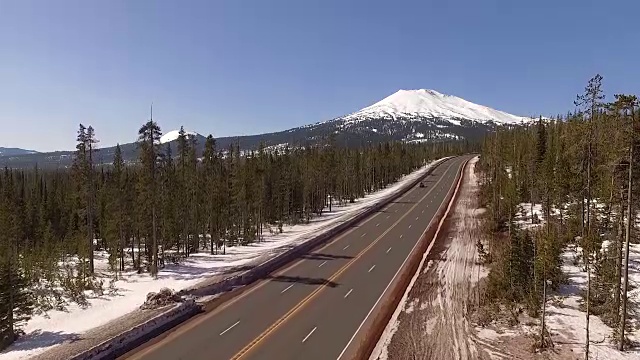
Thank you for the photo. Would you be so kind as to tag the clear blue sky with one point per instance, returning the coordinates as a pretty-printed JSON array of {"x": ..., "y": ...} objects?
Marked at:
[{"x": 242, "y": 67}]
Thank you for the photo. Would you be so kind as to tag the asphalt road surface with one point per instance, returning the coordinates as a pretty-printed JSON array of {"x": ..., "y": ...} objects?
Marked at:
[{"x": 320, "y": 306}]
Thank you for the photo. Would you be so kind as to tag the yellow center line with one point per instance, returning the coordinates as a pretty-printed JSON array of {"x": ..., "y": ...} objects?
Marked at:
[
  {"x": 197, "y": 321},
  {"x": 309, "y": 297}
]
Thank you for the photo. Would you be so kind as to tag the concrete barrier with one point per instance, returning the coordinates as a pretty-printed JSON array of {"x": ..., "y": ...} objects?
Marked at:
[
  {"x": 151, "y": 328},
  {"x": 118, "y": 345}
]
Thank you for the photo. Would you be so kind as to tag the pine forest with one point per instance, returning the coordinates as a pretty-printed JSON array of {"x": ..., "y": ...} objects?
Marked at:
[
  {"x": 583, "y": 171},
  {"x": 173, "y": 201}
]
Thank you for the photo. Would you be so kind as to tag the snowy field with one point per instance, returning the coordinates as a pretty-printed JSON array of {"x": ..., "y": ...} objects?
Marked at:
[
  {"x": 46, "y": 331},
  {"x": 565, "y": 320}
]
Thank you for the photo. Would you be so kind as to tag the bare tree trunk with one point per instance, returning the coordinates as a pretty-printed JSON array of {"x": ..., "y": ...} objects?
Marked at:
[
  {"x": 625, "y": 286},
  {"x": 154, "y": 249},
  {"x": 619, "y": 244},
  {"x": 587, "y": 240},
  {"x": 139, "y": 265},
  {"x": 211, "y": 234},
  {"x": 90, "y": 208},
  {"x": 544, "y": 311},
  {"x": 11, "y": 287},
  {"x": 582, "y": 217},
  {"x": 586, "y": 345}
]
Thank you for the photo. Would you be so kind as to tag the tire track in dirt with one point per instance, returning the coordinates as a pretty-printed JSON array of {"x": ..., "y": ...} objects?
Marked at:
[{"x": 434, "y": 323}]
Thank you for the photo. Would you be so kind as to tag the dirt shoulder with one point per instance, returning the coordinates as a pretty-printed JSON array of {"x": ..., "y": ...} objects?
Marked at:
[
  {"x": 435, "y": 319},
  {"x": 432, "y": 324}
]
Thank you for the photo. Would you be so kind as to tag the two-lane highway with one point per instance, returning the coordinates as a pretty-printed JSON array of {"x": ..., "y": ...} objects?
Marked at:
[{"x": 319, "y": 307}]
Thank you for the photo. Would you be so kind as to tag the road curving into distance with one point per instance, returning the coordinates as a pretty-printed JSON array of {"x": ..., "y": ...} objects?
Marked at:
[{"x": 318, "y": 307}]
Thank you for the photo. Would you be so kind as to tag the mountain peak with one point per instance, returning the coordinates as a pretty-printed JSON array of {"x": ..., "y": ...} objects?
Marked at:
[
  {"x": 427, "y": 103},
  {"x": 420, "y": 91},
  {"x": 174, "y": 134}
]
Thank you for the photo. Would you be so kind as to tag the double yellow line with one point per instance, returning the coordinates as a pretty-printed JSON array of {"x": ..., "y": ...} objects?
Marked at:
[{"x": 255, "y": 342}]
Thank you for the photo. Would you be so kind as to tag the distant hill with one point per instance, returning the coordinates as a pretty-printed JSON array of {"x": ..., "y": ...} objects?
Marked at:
[
  {"x": 15, "y": 151},
  {"x": 407, "y": 115}
]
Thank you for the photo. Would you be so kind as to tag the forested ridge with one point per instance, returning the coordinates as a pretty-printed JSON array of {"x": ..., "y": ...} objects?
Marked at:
[
  {"x": 172, "y": 202},
  {"x": 583, "y": 169}
]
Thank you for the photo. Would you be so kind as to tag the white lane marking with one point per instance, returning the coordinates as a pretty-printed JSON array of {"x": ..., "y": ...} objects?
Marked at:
[
  {"x": 324, "y": 262},
  {"x": 409, "y": 226},
  {"x": 396, "y": 210},
  {"x": 312, "y": 331},
  {"x": 230, "y": 327},
  {"x": 378, "y": 224},
  {"x": 388, "y": 216},
  {"x": 387, "y": 288},
  {"x": 416, "y": 218},
  {"x": 389, "y": 249},
  {"x": 290, "y": 286},
  {"x": 363, "y": 235},
  {"x": 423, "y": 211},
  {"x": 348, "y": 293},
  {"x": 345, "y": 248},
  {"x": 373, "y": 267},
  {"x": 400, "y": 236}
]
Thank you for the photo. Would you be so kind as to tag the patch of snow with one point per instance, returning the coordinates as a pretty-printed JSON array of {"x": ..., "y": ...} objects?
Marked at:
[
  {"x": 42, "y": 331},
  {"x": 277, "y": 147},
  {"x": 411, "y": 305},
  {"x": 432, "y": 136},
  {"x": 567, "y": 320},
  {"x": 426, "y": 268},
  {"x": 525, "y": 218},
  {"x": 173, "y": 135}
]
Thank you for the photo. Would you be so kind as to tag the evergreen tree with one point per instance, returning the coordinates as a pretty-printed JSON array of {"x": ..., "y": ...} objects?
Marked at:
[
  {"x": 16, "y": 305},
  {"x": 148, "y": 140}
]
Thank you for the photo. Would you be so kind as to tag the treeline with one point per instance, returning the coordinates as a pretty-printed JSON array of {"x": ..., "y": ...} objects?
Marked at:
[
  {"x": 583, "y": 169},
  {"x": 171, "y": 203}
]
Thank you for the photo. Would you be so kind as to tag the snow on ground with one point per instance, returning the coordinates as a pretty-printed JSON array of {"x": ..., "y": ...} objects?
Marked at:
[
  {"x": 567, "y": 322},
  {"x": 43, "y": 332},
  {"x": 565, "y": 319},
  {"x": 430, "y": 321},
  {"x": 526, "y": 211}
]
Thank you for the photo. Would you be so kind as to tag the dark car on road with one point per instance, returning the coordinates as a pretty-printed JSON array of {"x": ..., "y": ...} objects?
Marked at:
[{"x": 421, "y": 184}]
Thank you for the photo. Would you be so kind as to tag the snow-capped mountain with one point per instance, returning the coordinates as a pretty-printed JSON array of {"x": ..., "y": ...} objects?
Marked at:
[
  {"x": 174, "y": 134},
  {"x": 415, "y": 116},
  {"x": 407, "y": 115},
  {"x": 424, "y": 103}
]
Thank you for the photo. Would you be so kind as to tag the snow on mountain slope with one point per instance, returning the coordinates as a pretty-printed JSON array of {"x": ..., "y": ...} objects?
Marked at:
[
  {"x": 426, "y": 103},
  {"x": 15, "y": 151},
  {"x": 173, "y": 135}
]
